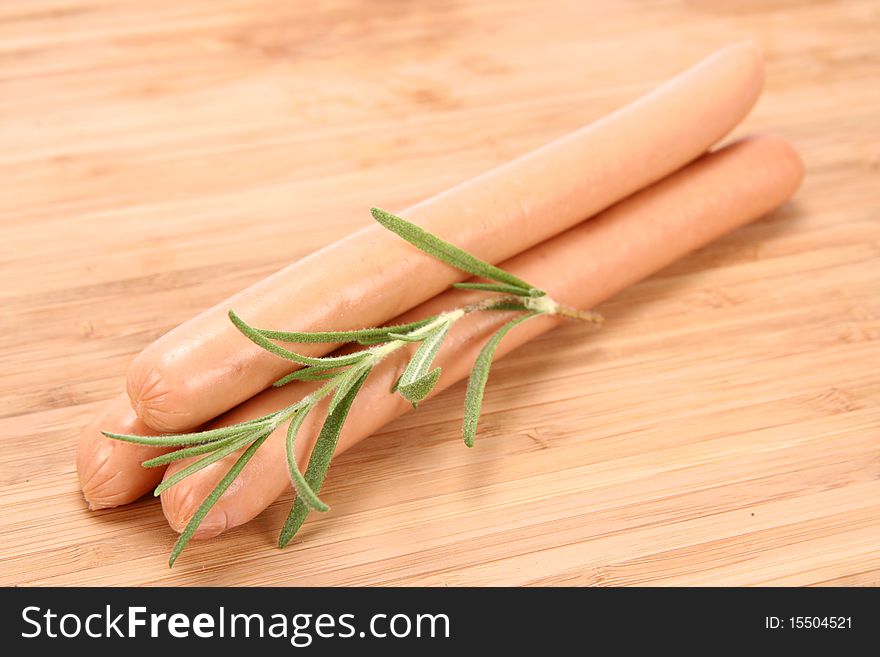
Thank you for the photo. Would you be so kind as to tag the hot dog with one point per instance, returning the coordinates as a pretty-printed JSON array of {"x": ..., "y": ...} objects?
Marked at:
[
  {"x": 591, "y": 262},
  {"x": 205, "y": 366}
]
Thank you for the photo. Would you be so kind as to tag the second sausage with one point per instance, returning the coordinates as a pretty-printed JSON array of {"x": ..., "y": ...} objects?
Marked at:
[{"x": 591, "y": 262}]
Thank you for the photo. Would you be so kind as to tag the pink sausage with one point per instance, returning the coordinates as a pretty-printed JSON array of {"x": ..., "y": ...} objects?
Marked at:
[
  {"x": 205, "y": 367},
  {"x": 591, "y": 262}
]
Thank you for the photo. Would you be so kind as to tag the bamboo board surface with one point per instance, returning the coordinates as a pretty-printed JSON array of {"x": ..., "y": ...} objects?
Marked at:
[{"x": 723, "y": 428}]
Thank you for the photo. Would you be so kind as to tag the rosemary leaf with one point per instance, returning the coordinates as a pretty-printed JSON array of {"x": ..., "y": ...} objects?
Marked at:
[
  {"x": 378, "y": 334},
  {"x": 406, "y": 337},
  {"x": 501, "y": 288},
  {"x": 170, "y": 440},
  {"x": 303, "y": 490},
  {"x": 353, "y": 376},
  {"x": 186, "y": 452},
  {"x": 308, "y": 374},
  {"x": 420, "y": 388},
  {"x": 221, "y": 452},
  {"x": 215, "y": 495},
  {"x": 259, "y": 420},
  {"x": 420, "y": 364},
  {"x": 375, "y": 340},
  {"x": 395, "y": 332},
  {"x": 443, "y": 250},
  {"x": 260, "y": 340},
  {"x": 473, "y": 400},
  {"x": 319, "y": 462}
]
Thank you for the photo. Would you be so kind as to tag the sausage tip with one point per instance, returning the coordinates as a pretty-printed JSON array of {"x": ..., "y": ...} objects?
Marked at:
[
  {"x": 109, "y": 471},
  {"x": 179, "y": 504},
  {"x": 749, "y": 52},
  {"x": 783, "y": 160},
  {"x": 148, "y": 391},
  {"x": 743, "y": 61}
]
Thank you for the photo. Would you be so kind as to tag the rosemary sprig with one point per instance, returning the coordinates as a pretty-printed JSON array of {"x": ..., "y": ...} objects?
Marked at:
[{"x": 343, "y": 376}]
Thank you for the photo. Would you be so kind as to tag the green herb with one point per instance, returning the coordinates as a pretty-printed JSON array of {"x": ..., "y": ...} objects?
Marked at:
[
  {"x": 501, "y": 288},
  {"x": 442, "y": 250},
  {"x": 319, "y": 462},
  {"x": 344, "y": 375},
  {"x": 418, "y": 379},
  {"x": 303, "y": 490},
  {"x": 213, "y": 496},
  {"x": 473, "y": 399}
]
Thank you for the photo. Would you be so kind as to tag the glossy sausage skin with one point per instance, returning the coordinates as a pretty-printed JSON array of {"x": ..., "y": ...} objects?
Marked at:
[
  {"x": 110, "y": 471},
  {"x": 205, "y": 366},
  {"x": 591, "y": 262}
]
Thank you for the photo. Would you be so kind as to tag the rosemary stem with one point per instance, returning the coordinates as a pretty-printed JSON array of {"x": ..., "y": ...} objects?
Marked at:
[
  {"x": 547, "y": 306},
  {"x": 312, "y": 398},
  {"x": 491, "y": 302},
  {"x": 589, "y": 316}
]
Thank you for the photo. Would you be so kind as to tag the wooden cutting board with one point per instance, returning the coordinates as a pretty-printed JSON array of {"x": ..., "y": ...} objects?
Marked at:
[{"x": 722, "y": 429}]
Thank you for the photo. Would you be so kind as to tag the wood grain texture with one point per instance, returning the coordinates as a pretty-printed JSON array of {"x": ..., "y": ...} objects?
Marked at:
[{"x": 722, "y": 429}]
